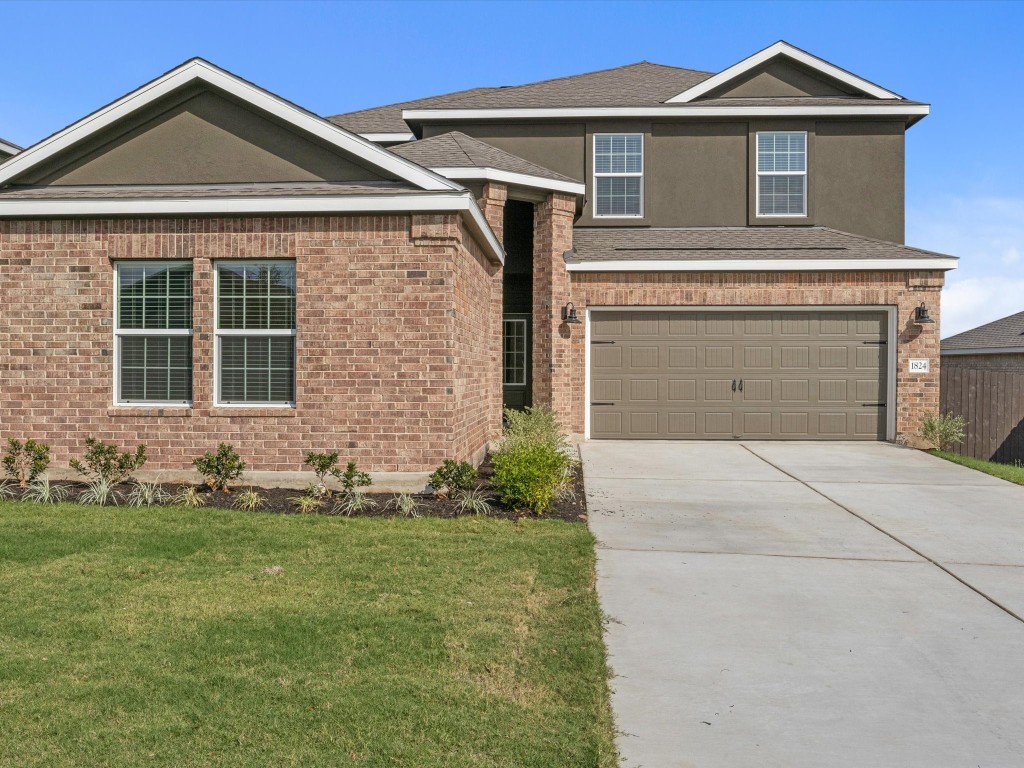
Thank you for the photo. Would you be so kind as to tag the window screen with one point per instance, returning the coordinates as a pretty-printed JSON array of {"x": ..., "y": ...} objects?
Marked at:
[
  {"x": 256, "y": 332},
  {"x": 618, "y": 174},
  {"x": 154, "y": 333},
  {"x": 782, "y": 174}
]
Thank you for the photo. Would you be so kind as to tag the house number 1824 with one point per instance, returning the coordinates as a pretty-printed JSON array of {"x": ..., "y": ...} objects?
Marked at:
[{"x": 920, "y": 366}]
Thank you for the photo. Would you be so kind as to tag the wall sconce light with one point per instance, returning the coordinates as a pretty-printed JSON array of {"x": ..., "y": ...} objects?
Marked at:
[
  {"x": 921, "y": 316},
  {"x": 569, "y": 315}
]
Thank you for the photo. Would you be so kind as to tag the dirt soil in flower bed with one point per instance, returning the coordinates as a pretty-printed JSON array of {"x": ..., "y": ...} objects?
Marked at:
[{"x": 573, "y": 508}]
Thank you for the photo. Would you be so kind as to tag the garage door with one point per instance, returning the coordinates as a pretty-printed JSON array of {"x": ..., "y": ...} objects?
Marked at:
[{"x": 721, "y": 375}]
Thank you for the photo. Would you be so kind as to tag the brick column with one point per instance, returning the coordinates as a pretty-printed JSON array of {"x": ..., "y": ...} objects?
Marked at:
[
  {"x": 552, "y": 237},
  {"x": 492, "y": 203}
]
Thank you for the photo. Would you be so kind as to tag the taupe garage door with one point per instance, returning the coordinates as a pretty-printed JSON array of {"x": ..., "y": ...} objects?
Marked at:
[{"x": 785, "y": 375}]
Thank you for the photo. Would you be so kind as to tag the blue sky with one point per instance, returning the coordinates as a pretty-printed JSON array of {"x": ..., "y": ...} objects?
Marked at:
[{"x": 965, "y": 162}]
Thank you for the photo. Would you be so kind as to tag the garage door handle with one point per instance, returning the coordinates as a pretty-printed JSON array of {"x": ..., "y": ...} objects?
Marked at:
[
  {"x": 602, "y": 403},
  {"x": 741, "y": 385},
  {"x": 872, "y": 405},
  {"x": 602, "y": 342},
  {"x": 734, "y": 385}
]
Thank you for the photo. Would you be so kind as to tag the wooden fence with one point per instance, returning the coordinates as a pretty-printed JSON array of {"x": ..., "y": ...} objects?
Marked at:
[{"x": 993, "y": 404}]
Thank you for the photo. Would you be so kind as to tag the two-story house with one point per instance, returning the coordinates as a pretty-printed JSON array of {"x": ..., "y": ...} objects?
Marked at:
[{"x": 655, "y": 252}]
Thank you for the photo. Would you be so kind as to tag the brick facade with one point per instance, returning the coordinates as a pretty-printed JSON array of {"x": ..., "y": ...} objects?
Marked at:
[
  {"x": 395, "y": 350},
  {"x": 1012, "y": 363},
  {"x": 917, "y": 395}
]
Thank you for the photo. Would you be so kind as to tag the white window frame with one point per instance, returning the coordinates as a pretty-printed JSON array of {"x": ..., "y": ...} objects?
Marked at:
[
  {"x": 522, "y": 323},
  {"x": 640, "y": 175},
  {"x": 759, "y": 173},
  {"x": 220, "y": 333},
  {"x": 120, "y": 333}
]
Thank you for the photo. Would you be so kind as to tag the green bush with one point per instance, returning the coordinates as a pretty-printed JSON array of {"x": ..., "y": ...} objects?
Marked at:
[
  {"x": 323, "y": 464},
  {"x": 944, "y": 431},
  {"x": 221, "y": 468},
  {"x": 532, "y": 426},
  {"x": 24, "y": 462},
  {"x": 453, "y": 477},
  {"x": 530, "y": 475},
  {"x": 352, "y": 478},
  {"x": 105, "y": 462}
]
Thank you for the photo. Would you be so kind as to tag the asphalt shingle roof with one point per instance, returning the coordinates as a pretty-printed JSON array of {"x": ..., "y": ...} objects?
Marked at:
[
  {"x": 457, "y": 150},
  {"x": 592, "y": 244},
  {"x": 1007, "y": 332},
  {"x": 265, "y": 189},
  {"x": 388, "y": 118}
]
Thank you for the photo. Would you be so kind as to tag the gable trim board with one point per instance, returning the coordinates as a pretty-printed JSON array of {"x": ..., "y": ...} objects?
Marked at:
[
  {"x": 198, "y": 70},
  {"x": 985, "y": 351},
  {"x": 9, "y": 148},
  {"x": 943, "y": 264},
  {"x": 388, "y": 137},
  {"x": 857, "y": 110},
  {"x": 782, "y": 48},
  {"x": 510, "y": 177},
  {"x": 460, "y": 201}
]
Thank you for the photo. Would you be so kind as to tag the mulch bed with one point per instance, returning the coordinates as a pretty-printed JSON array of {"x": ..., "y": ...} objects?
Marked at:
[{"x": 281, "y": 500}]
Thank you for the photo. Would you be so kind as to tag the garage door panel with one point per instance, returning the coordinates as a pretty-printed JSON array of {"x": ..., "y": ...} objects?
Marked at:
[{"x": 770, "y": 375}]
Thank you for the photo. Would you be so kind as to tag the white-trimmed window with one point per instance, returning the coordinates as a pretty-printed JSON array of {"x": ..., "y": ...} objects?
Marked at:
[
  {"x": 618, "y": 174},
  {"x": 153, "y": 330},
  {"x": 255, "y": 329},
  {"x": 514, "y": 361},
  {"x": 782, "y": 173}
]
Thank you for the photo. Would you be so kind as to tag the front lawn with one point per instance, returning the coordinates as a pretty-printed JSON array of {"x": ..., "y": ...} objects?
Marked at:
[
  {"x": 1015, "y": 474},
  {"x": 182, "y": 637}
]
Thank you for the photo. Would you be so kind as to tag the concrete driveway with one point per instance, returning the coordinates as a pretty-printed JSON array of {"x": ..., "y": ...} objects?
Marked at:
[{"x": 809, "y": 604}]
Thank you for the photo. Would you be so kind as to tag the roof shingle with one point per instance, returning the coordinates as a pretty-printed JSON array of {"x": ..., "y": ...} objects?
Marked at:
[
  {"x": 457, "y": 150},
  {"x": 1005, "y": 333},
  {"x": 164, "y": 191}
]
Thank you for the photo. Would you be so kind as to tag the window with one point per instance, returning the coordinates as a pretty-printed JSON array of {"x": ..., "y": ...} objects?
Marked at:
[
  {"x": 782, "y": 174},
  {"x": 255, "y": 333},
  {"x": 153, "y": 330},
  {"x": 514, "y": 365},
  {"x": 618, "y": 174}
]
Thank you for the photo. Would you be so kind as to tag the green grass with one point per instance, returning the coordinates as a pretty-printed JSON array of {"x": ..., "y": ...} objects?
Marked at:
[
  {"x": 1003, "y": 471},
  {"x": 157, "y": 638}
]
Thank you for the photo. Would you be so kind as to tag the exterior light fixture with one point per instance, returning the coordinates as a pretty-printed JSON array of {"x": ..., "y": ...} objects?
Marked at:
[
  {"x": 921, "y": 316},
  {"x": 569, "y": 315}
]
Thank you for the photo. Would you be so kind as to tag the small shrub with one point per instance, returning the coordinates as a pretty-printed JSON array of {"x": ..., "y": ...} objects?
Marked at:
[
  {"x": 353, "y": 478},
  {"x": 530, "y": 475},
  {"x": 105, "y": 462},
  {"x": 8, "y": 489},
  {"x": 353, "y": 503},
  {"x": 250, "y": 500},
  {"x": 188, "y": 496},
  {"x": 473, "y": 502},
  {"x": 944, "y": 431},
  {"x": 533, "y": 426},
  {"x": 146, "y": 495},
  {"x": 405, "y": 505},
  {"x": 219, "y": 469},
  {"x": 42, "y": 491},
  {"x": 308, "y": 503},
  {"x": 452, "y": 477},
  {"x": 24, "y": 462},
  {"x": 324, "y": 465},
  {"x": 99, "y": 491}
]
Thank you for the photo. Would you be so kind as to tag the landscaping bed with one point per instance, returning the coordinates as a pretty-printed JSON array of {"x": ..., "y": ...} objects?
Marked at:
[
  {"x": 210, "y": 637},
  {"x": 570, "y": 506}
]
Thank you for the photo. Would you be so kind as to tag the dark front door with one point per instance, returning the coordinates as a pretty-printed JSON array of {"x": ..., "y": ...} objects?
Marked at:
[{"x": 515, "y": 364}]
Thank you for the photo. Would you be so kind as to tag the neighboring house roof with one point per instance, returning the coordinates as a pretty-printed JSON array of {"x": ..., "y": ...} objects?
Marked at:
[
  {"x": 455, "y": 155},
  {"x": 598, "y": 249},
  {"x": 998, "y": 337},
  {"x": 7, "y": 148}
]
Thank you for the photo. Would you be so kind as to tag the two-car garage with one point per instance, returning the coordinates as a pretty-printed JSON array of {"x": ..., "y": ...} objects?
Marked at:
[{"x": 788, "y": 374}]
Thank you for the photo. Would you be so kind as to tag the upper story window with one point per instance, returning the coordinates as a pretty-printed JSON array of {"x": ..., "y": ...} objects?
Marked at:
[
  {"x": 153, "y": 333},
  {"x": 255, "y": 333},
  {"x": 782, "y": 173},
  {"x": 618, "y": 174}
]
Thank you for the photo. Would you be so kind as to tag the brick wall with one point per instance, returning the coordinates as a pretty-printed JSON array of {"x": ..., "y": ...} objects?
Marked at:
[
  {"x": 1013, "y": 363},
  {"x": 389, "y": 336},
  {"x": 917, "y": 394}
]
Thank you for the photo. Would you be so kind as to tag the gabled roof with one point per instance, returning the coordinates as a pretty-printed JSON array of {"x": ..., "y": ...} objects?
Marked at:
[
  {"x": 1001, "y": 336},
  {"x": 387, "y": 120},
  {"x": 198, "y": 70},
  {"x": 455, "y": 155},
  {"x": 783, "y": 49},
  {"x": 8, "y": 148},
  {"x": 741, "y": 248}
]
